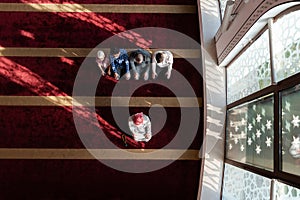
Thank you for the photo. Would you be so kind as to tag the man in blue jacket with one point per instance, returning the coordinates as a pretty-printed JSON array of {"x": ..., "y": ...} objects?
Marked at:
[{"x": 119, "y": 63}]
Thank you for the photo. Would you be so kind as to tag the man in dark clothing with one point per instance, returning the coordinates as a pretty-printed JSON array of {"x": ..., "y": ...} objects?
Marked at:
[
  {"x": 140, "y": 61},
  {"x": 119, "y": 63}
]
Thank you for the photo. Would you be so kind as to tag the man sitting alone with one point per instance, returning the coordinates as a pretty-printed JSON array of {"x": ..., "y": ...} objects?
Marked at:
[{"x": 140, "y": 127}]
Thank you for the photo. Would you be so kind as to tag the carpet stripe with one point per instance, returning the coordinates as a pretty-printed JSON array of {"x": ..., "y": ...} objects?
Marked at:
[
  {"x": 90, "y": 154},
  {"x": 99, "y": 101},
  {"x": 79, "y": 52},
  {"x": 153, "y": 2},
  {"x": 97, "y": 8}
]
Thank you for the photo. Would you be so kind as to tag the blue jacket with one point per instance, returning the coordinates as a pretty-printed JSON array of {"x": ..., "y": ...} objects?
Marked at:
[{"x": 120, "y": 62}]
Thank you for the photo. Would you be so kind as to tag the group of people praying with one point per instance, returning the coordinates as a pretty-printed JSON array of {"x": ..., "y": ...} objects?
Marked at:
[{"x": 139, "y": 63}]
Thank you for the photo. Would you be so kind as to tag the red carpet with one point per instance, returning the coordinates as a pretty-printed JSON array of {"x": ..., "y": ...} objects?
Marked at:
[
  {"x": 85, "y": 31},
  {"x": 73, "y": 179},
  {"x": 42, "y": 128},
  {"x": 53, "y": 126}
]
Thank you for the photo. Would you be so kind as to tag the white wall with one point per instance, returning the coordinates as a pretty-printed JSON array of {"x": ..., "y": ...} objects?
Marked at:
[{"x": 214, "y": 101}]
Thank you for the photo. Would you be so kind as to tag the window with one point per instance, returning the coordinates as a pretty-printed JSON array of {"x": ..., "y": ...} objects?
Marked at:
[
  {"x": 283, "y": 191},
  {"x": 290, "y": 130},
  {"x": 286, "y": 33},
  {"x": 250, "y": 133},
  {"x": 263, "y": 119},
  {"x": 250, "y": 72},
  {"x": 240, "y": 184}
]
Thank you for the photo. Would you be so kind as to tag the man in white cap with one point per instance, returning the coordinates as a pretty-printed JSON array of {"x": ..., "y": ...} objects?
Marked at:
[{"x": 102, "y": 62}]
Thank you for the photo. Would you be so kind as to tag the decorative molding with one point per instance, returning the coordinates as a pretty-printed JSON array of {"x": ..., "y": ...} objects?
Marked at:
[
  {"x": 237, "y": 4},
  {"x": 262, "y": 6},
  {"x": 235, "y": 9}
]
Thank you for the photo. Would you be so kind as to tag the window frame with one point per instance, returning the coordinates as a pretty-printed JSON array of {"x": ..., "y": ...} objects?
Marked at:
[{"x": 275, "y": 89}]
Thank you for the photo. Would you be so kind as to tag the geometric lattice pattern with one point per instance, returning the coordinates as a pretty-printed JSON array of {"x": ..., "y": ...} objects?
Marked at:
[
  {"x": 250, "y": 133},
  {"x": 286, "y": 192},
  {"x": 290, "y": 130},
  {"x": 250, "y": 72},
  {"x": 286, "y": 33},
  {"x": 240, "y": 184},
  {"x": 250, "y": 127}
]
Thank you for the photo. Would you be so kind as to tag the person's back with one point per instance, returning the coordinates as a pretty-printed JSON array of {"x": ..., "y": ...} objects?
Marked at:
[
  {"x": 140, "y": 127},
  {"x": 140, "y": 63},
  {"x": 162, "y": 61}
]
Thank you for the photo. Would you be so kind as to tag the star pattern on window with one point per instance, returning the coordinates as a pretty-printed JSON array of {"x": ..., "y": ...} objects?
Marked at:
[
  {"x": 236, "y": 128},
  {"x": 235, "y": 140},
  {"x": 258, "y": 149},
  {"x": 296, "y": 141},
  {"x": 268, "y": 124},
  {"x": 243, "y": 121},
  {"x": 250, "y": 127},
  {"x": 258, "y": 133},
  {"x": 251, "y": 130},
  {"x": 243, "y": 135},
  {"x": 258, "y": 117},
  {"x": 295, "y": 121},
  {"x": 249, "y": 141},
  {"x": 268, "y": 142},
  {"x": 242, "y": 147},
  {"x": 294, "y": 150}
]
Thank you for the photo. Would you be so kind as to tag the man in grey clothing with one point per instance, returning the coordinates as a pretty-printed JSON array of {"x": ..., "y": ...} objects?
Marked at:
[{"x": 140, "y": 61}]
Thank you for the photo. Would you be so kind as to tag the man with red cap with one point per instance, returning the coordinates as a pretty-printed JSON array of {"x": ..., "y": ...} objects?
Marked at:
[{"x": 140, "y": 127}]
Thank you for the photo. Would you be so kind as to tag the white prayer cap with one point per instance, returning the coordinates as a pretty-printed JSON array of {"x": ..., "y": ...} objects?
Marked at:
[{"x": 100, "y": 54}]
